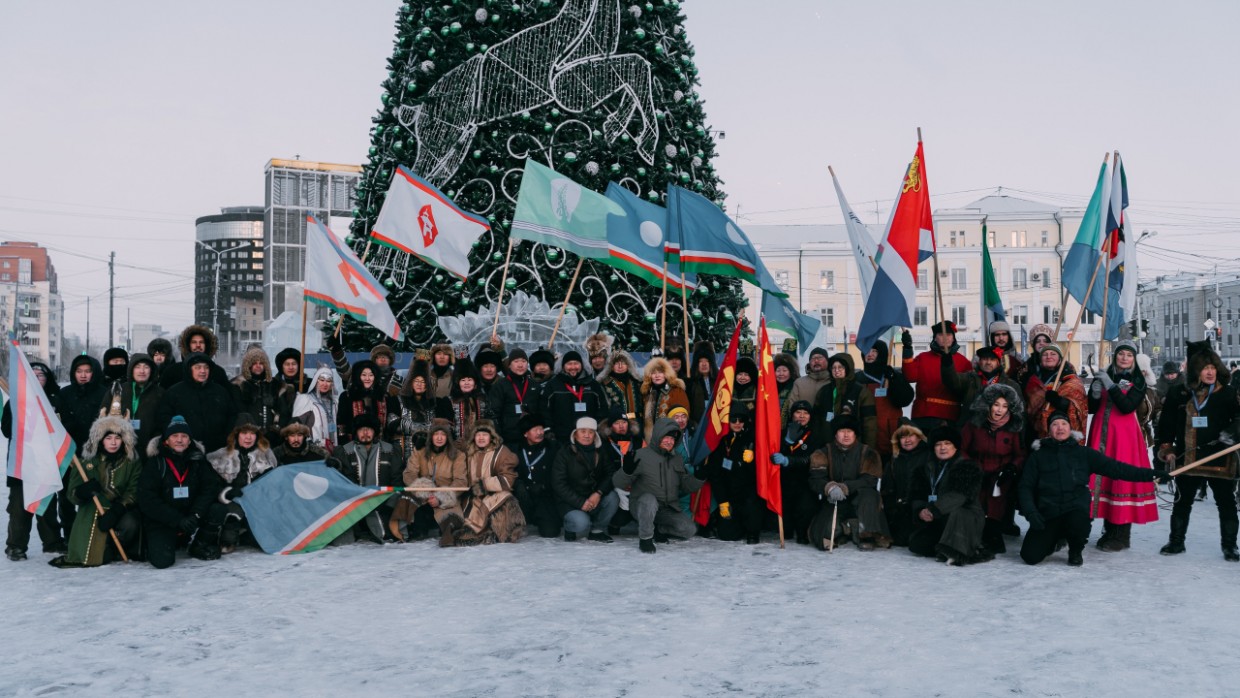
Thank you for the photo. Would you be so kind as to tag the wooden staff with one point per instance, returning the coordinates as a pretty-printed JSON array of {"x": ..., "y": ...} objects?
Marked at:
[
  {"x": 663, "y": 302},
  {"x": 1106, "y": 288},
  {"x": 503, "y": 279},
  {"x": 99, "y": 510},
  {"x": 365, "y": 254},
  {"x": 1203, "y": 461},
  {"x": 835, "y": 513},
  {"x": 301, "y": 375},
  {"x": 1076, "y": 325},
  {"x": 431, "y": 489},
  {"x": 571, "y": 284},
  {"x": 781, "y": 531}
]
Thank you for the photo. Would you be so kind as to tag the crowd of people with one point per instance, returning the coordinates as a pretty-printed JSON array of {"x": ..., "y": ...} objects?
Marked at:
[{"x": 495, "y": 443}]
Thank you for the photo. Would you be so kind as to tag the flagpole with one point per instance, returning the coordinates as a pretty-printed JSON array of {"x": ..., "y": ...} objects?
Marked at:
[
  {"x": 1079, "y": 313},
  {"x": 340, "y": 321},
  {"x": 684, "y": 306},
  {"x": 1106, "y": 291},
  {"x": 1064, "y": 306},
  {"x": 938, "y": 286},
  {"x": 571, "y": 284},
  {"x": 99, "y": 509},
  {"x": 301, "y": 377},
  {"x": 663, "y": 322},
  {"x": 503, "y": 279}
]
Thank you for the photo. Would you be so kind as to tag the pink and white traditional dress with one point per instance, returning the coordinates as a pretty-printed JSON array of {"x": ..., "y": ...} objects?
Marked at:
[{"x": 1117, "y": 431}]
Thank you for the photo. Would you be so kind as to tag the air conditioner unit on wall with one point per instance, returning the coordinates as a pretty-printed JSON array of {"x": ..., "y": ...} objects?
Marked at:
[{"x": 1036, "y": 277}]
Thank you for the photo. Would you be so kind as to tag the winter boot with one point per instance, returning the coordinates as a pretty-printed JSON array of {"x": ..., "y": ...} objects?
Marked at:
[
  {"x": 448, "y": 530},
  {"x": 62, "y": 562},
  {"x": 1111, "y": 540},
  {"x": 646, "y": 545},
  {"x": 1075, "y": 559},
  {"x": 569, "y": 536},
  {"x": 1179, "y": 527},
  {"x": 992, "y": 537},
  {"x": 1229, "y": 530},
  {"x": 15, "y": 554},
  {"x": 600, "y": 537}
]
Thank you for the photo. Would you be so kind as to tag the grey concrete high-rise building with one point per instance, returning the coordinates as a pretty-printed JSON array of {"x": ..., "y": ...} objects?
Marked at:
[{"x": 229, "y": 260}]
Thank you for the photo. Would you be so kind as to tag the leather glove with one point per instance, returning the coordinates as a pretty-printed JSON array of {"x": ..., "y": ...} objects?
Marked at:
[
  {"x": 86, "y": 490},
  {"x": 906, "y": 339},
  {"x": 1036, "y": 522},
  {"x": 108, "y": 520},
  {"x": 629, "y": 467},
  {"x": 196, "y": 456},
  {"x": 233, "y": 492},
  {"x": 779, "y": 459},
  {"x": 1007, "y": 472},
  {"x": 189, "y": 524},
  {"x": 1162, "y": 476},
  {"x": 1057, "y": 402},
  {"x": 333, "y": 463},
  {"x": 333, "y": 342},
  {"x": 1105, "y": 379}
]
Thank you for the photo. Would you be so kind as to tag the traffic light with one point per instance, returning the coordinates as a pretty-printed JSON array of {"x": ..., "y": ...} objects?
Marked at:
[
  {"x": 1145, "y": 327},
  {"x": 1132, "y": 328}
]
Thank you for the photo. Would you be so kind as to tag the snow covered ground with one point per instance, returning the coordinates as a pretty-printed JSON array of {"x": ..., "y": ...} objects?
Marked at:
[{"x": 700, "y": 618}]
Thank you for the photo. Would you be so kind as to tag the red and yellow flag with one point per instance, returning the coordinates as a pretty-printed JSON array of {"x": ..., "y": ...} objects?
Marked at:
[{"x": 766, "y": 426}]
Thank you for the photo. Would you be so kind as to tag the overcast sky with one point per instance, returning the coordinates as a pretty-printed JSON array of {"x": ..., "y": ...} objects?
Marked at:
[{"x": 124, "y": 121}]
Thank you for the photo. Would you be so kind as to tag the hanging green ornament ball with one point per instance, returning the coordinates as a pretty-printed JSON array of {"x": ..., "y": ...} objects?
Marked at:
[
  {"x": 563, "y": 275},
  {"x": 658, "y": 48},
  {"x": 553, "y": 254},
  {"x": 624, "y": 137},
  {"x": 482, "y": 282},
  {"x": 640, "y": 33},
  {"x": 714, "y": 285},
  {"x": 470, "y": 47},
  {"x": 379, "y": 130},
  {"x": 668, "y": 167},
  {"x": 570, "y": 157},
  {"x": 727, "y": 314},
  {"x": 398, "y": 146},
  {"x": 696, "y": 314},
  {"x": 349, "y": 239},
  {"x": 697, "y": 184},
  {"x": 458, "y": 285},
  {"x": 649, "y": 7},
  {"x": 443, "y": 31},
  {"x": 641, "y": 172},
  {"x": 660, "y": 115},
  {"x": 545, "y": 3},
  {"x": 439, "y": 278},
  {"x": 493, "y": 169},
  {"x": 510, "y": 284},
  {"x": 411, "y": 85},
  {"x": 555, "y": 113},
  {"x": 455, "y": 27},
  {"x": 494, "y": 19},
  {"x": 614, "y": 278},
  {"x": 652, "y": 195},
  {"x": 650, "y": 318},
  {"x": 426, "y": 31},
  {"x": 525, "y": 116},
  {"x": 615, "y": 168},
  {"x": 451, "y": 193},
  {"x": 700, "y": 131},
  {"x": 372, "y": 151},
  {"x": 497, "y": 256},
  {"x": 477, "y": 154},
  {"x": 548, "y": 126},
  {"x": 596, "y": 133},
  {"x": 588, "y": 305},
  {"x": 439, "y": 305},
  {"x": 684, "y": 177},
  {"x": 389, "y": 283},
  {"x": 483, "y": 48},
  {"x": 384, "y": 98},
  {"x": 430, "y": 52},
  {"x": 357, "y": 213},
  {"x": 516, "y": 7}
]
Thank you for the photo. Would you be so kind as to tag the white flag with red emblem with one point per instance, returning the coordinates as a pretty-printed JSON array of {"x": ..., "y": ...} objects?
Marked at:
[
  {"x": 337, "y": 279},
  {"x": 420, "y": 220}
]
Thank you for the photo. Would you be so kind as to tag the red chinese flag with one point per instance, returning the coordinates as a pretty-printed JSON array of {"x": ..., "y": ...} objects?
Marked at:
[{"x": 766, "y": 426}]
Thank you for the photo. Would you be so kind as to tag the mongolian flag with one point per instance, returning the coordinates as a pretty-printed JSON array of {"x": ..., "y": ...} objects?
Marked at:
[
  {"x": 420, "y": 220},
  {"x": 909, "y": 240},
  {"x": 766, "y": 426},
  {"x": 337, "y": 279},
  {"x": 714, "y": 425},
  {"x": 303, "y": 507},
  {"x": 40, "y": 449}
]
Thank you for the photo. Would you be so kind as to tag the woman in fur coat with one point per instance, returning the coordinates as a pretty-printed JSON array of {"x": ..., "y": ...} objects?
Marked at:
[
  {"x": 491, "y": 512},
  {"x": 468, "y": 402},
  {"x": 418, "y": 408},
  {"x": 911, "y": 453},
  {"x": 944, "y": 495},
  {"x": 994, "y": 439},
  {"x": 661, "y": 391},
  {"x": 365, "y": 396},
  {"x": 439, "y": 464},
  {"x": 622, "y": 386},
  {"x": 112, "y": 466}
]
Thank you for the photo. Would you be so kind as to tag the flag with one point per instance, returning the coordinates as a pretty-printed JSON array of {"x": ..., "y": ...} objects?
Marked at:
[
  {"x": 714, "y": 424},
  {"x": 865, "y": 251},
  {"x": 780, "y": 314},
  {"x": 909, "y": 240},
  {"x": 637, "y": 241},
  {"x": 303, "y": 507},
  {"x": 40, "y": 449},
  {"x": 766, "y": 426},
  {"x": 420, "y": 220},
  {"x": 1122, "y": 272},
  {"x": 710, "y": 243},
  {"x": 1024, "y": 340},
  {"x": 1083, "y": 256},
  {"x": 554, "y": 210},
  {"x": 992, "y": 304},
  {"x": 336, "y": 279}
]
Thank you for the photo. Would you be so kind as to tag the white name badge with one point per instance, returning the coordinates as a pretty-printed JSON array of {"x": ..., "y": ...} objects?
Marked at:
[
  {"x": 1201, "y": 422},
  {"x": 516, "y": 408},
  {"x": 830, "y": 416},
  {"x": 579, "y": 406},
  {"x": 880, "y": 392},
  {"x": 933, "y": 498},
  {"x": 180, "y": 493},
  {"x": 727, "y": 463},
  {"x": 136, "y": 424}
]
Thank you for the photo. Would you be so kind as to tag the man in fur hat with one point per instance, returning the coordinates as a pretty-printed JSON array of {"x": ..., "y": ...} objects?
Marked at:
[
  {"x": 442, "y": 380},
  {"x": 200, "y": 339},
  {"x": 288, "y": 368},
  {"x": 370, "y": 462},
  {"x": 598, "y": 348},
  {"x": 267, "y": 399},
  {"x": 846, "y": 472},
  {"x": 1005, "y": 348},
  {"x": 296, "y": 446},
  {"x": 934, "y": 404},
  {"x": 535, "y": 454}
]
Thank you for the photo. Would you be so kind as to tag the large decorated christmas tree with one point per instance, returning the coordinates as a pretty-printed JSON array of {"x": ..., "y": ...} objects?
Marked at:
[{"x": 601, "y": 91}]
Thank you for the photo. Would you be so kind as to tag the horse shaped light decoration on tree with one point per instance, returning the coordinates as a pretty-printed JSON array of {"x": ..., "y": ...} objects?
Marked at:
[{"x": 569, "y": 60}]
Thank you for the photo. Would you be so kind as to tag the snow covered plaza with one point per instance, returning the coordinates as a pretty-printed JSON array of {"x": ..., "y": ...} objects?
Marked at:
[{"x": 700, "y": 618}]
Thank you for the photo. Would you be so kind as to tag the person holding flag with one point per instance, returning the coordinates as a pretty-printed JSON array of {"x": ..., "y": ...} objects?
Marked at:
[
  {"x": 20, "y": 518},
  {"x": 934, "y": 404},
  {"x": 733, "y": 479},
  {"x": 112, "y": 468},
  {"x": 799, "y": 440}
]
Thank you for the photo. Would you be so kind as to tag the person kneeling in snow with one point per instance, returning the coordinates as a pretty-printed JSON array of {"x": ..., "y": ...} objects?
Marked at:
[
  {"x": 438, "y": 465},
  {"x": 1054, "y": 490},
  {"x": 112, "y": 467},
  {"x": 656, "y": 479},
  {"x": 175, "y": 491},
  {"x": 491, "y": 513},
  {"x": 846, "y": 473},
  {"x": 368, "y": 462},
  {"x": 246, "y": 458}
]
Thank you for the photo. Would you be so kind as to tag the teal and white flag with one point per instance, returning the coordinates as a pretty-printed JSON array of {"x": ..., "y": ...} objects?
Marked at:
[
  {"x": 780, "y": 315},
  {"x": 554, "y": 210}
]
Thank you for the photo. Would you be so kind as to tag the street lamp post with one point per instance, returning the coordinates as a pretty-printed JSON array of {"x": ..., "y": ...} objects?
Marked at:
[
  {"x": 1141, "y": 344},
  {"x": 215, "y": 308}
]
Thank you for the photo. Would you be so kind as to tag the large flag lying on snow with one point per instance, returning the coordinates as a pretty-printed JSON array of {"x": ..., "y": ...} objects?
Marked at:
[
  {"x": 992, "y": 303},
  {"x": 710, "y": 243},
  {"x": 303, "y": 507},
  {"x": 337, "y": 279},
  {"x": 1080, "y": 265},
  {"x": 554, "y": 210},
  {"x": 865, "y": 251},
  {"x": 766, "y": 426},
  {"x": 40, "y": 448},
  {"x": 1123, "y": 254},
  {"x": 637, "y": 241},
  {"x": 780, "y": 314},
  {"x": 420, "y": 220},
  {"x": 909, "y": 240}
]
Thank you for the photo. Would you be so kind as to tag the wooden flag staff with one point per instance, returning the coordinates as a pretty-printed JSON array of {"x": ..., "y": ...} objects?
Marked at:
[
  {"x": 502, "y": 280},
  {"x": 571, "y": 284}
]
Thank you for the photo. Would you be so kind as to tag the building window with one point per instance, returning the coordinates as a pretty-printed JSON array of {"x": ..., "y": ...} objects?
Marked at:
[
  {"x": 1046, "y": 238},
  {"x": 923, "y": 279},
  {"x": 826, "y": 281},
  {"x": 990, "y": 235},
  {"x": 781, "y": 278},
  {"x": 827, "y": 315},
  {"x": 1046, "y": 277},
  {"x": 955, "y": 238},
  {"x": 1019, "y": 238},
  {"x": 959, "y": 279},
  {"x": 1020, "y": 279},
  {"x": 1089, "y": 318},
  {"x": 919, "y": 316},
  {"x": 1050, "y": 314},
  {"x": 959, "y": 316},
  {"x": 1020, "y": 314}
]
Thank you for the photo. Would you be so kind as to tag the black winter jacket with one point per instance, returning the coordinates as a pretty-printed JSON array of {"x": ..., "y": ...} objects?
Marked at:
[
  {"x": 158, "y": 480},
  {"x": 1055, "y": 480},
  {"x": 78, "y": 405},
  {"x": 576, "y": 474},
  {"x": 505, "y": 396},
  {"x": 209, "y": 408},
  {"x": 559, "y": 403}
]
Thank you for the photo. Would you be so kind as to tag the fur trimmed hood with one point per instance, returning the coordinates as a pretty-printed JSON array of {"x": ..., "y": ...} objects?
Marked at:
[
  {"x": 484, "y": 425},
  {"x": 1201, "y": 355},
  {"x": 253, "y": 355},
  {"x": 445, "y": 349},
  {"x": 980, "y": 409},
  {"x": 106, "y": 425},
  {"x": 703, "y": 350},
  {"x": 441, "y": 424},
  {"x": 789, "y": 362},
  {"x": 227, "y": 461},
  {"x": 208, "y": 335},
  {"x": 296, "y": 428},
  {"x": 621, "y": 355},
  {"x": 660, "y": 365},
  {"x": 905, "y": 430},
  {"x": 598, "y": 345}
]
